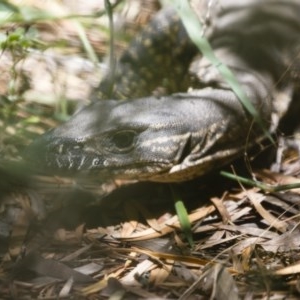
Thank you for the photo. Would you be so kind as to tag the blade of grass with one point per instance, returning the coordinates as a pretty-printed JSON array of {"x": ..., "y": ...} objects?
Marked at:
[
  {"x": 261, "y": 185},
  {"x": 112, "y": 58},
  {"x": 85, "y": 42},
  {"x": 183, "y": 217}
]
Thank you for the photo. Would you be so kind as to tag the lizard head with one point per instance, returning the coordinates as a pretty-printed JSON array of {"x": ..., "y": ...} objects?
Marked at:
[
  {"x": 115, "y": 139},
  {"x": 175, "y": 138}
]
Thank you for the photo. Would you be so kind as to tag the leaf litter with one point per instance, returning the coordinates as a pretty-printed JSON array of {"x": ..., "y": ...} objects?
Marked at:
[{"x": 61, "y": 238}]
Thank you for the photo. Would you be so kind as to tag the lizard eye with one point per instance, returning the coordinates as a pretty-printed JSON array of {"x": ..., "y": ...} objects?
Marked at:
[{"x": 123, "y": 140}]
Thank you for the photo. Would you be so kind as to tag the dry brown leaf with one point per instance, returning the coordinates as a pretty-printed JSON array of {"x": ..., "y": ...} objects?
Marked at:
[
  {"x": 293, "y": 269},
  {"x": 239, "y": 213},
  {"x": 89, "y": 268},
  {"x": 278, "y": 179},
  {"x": 65, "y": 291},
  {"x": 287, "y": 207},
  {"x": 160, "y": 274},
  {"x": 221, "y": 208},
  {"x": 215, "y": 281},
  {"x": 246, "y": 243},
  {"x": 189, "y": 260},
  {"x": 130, "y": 278},
  {"x": 246, "y": 255},
  {"x": 101, "y": 284},
  {"x": 51, "y": 268},
  {"x": 95, "y": 287},
  {"x": 114, "y": 289},
  {"x": 209, "y": 244},
  {"x": 151, "y": 221},
  {"x": 251, "y": 231},
  {"x": 256, "y": 199},
  {"x": 169, "y": 225},
  {"x": 128, "y": 228},
  {"x": 76, "y": 253},
  {"x": 285, "y": 242}
]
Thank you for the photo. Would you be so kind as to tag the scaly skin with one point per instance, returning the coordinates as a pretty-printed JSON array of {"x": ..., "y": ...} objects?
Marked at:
[{"x": 181, "y": 136}]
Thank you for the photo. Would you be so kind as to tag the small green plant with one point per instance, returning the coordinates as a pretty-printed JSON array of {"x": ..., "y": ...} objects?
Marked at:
[{"x": 17, "y": 42}]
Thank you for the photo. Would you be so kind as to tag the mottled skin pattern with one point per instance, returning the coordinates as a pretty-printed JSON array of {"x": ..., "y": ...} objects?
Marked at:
[
  {"x": 180, "y": 136},
  {"x": 144, "y": 66}
]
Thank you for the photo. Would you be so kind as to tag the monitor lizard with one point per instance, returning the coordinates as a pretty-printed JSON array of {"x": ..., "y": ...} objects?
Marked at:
[{"x": 130, "y": 132}]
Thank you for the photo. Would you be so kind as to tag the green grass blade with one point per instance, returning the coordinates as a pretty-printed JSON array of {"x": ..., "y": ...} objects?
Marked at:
[
  {"x": 183, "y": 217},
  {"x": 261, "y": 185}
]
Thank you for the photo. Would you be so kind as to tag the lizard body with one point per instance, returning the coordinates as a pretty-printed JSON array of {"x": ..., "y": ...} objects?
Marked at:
[{"x": 183, "y": 134}]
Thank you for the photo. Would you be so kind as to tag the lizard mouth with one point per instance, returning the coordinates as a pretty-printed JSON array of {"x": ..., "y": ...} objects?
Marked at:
[
  {"x": 60, "y": 154},
  {"x": 67, "y": 157}
]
